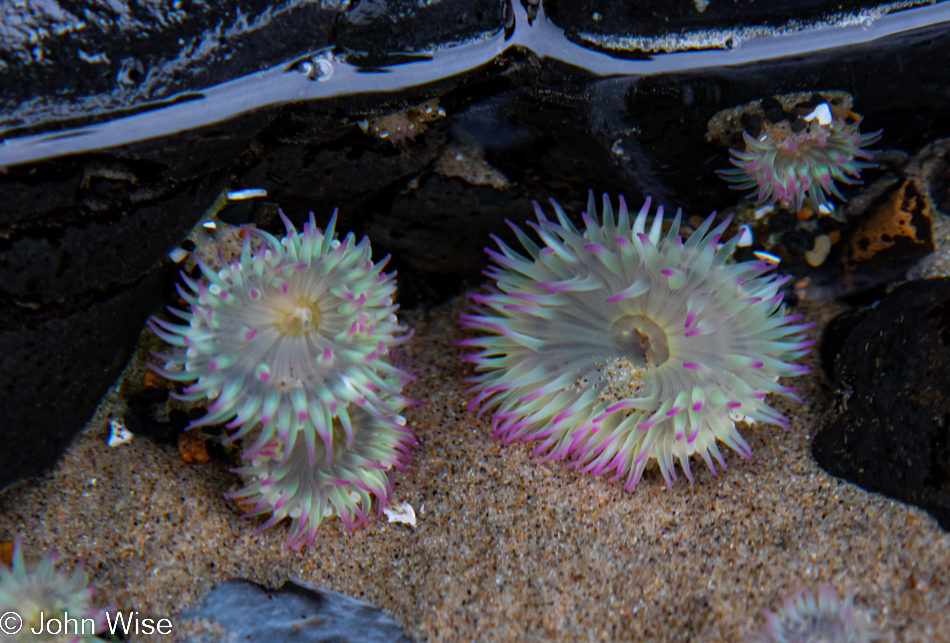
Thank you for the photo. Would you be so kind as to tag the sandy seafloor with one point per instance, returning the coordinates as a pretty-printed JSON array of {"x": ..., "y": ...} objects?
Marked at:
[{"x": 505, "y": 549}]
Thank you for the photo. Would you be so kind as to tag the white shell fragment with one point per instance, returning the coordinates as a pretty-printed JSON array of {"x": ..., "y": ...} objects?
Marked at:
[
  {"x": 249, "y": 193},
  {"x": 403, "y": 512},
  {"x": 745, "y": 236},
  {"x": 768, "y": 257},
  {"x": 822, "y": 113},
  {"x": 178, "y": 255},
  {"x": 816, "y": 256},
  {"x": 118, "y": 434}
]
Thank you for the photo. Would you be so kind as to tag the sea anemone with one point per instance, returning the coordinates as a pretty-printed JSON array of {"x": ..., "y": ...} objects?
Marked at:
[
  {"x": 292, "y": 336},
  {"x": 807, "y": 619},
  {"x": 620, "y": 344},
  {"x": 791, "y": 160},
  {"x": 43, "y": 592},
  {"x": 340, "y": 481}
]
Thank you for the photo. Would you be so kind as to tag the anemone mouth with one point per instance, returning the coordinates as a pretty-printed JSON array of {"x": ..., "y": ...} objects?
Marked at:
[
  {"x": 637, "y": 346},
  {"x": 296, "y": 317},
  {"x": 640, "y": 340}
]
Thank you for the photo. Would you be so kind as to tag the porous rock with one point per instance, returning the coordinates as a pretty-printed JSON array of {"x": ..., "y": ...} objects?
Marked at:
[{"x": 890, "y": 429}]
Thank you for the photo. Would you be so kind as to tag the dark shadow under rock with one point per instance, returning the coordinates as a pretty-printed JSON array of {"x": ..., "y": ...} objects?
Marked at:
[
  {"x": 242, "y": 611},
  {"x": 56, "y": 364},
  {"x": 890, "y": 430}
]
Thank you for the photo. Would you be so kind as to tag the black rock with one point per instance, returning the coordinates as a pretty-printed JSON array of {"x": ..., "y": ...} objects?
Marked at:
[
  {"x": 297, "y": 611},
  {"x": 834, "y": 336},
  {"x": 56, "y": 364},
  {"x": 890, "y": 430},
  {"x": 83, "y": 245},
  {"x": 59, "y": 61},
  {"x": 598, "y": 22}
]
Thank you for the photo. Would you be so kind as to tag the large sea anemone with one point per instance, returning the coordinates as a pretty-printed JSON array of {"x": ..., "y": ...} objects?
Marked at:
[
  {"x": 292, "y": 336},
  {"x": 791, "y": 160},
  {"x": 622, "y": 344},
  {"x": 807, "y": 619},
  {"x": 26, "y": 595}
]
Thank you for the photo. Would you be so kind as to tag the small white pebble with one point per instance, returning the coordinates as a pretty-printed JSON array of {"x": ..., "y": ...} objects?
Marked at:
[
  {"x": 768, "y": 257},
  {"x": 822, "y": 113},
  {"x": 817, "y": 255},
  {"x": 178, "y": 255},
  {"x": 764, "y": 210},
  {"x": 403, "y": 512},
  {"x": 210, "y": 225},
  {"x": 745, "y": 236},
  {"x": 118, "y": 434},
  {"x": 249, "y": 193}
]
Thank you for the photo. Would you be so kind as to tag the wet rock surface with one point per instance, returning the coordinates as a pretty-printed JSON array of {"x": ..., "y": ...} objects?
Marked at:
[
  {"x": 297, "y": 611},
  {"x": 890, "y": 430},
  {"x": 63, "y": 61},
  {"x": 618, "y": 26}
]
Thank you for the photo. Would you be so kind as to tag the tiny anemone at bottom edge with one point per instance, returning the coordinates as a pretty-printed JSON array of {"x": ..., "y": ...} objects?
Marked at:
[
  {"x": 825, "y": 618},
  {"x": 619, "y": 344},
  {"x": 41, "y": 592}
]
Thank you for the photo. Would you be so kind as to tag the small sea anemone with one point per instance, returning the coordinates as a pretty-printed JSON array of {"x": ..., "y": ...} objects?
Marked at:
[
  {"x": 339, "y": 481},
  {"x": 791, "y": 160},
  {"x": 807, "y": 619},
  {"x": 43, "y": 592},
  {"x": 621, "y": 344},
  {"x": 292, "y": 336}
]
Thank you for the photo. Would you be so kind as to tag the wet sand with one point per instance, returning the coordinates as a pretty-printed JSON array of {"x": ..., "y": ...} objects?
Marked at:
[{"x": 506, "y": 549}]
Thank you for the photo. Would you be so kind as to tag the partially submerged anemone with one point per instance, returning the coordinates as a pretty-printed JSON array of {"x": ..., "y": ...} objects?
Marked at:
[
  {"x": 291, "y": 343},
  {"x": 25, "y": 596},
  {"x": 619, "y": 345},
  {"x": 791, "y": 160},
  {"x": 805, "y": 618},
  {"x": 340, "y": 481}
]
